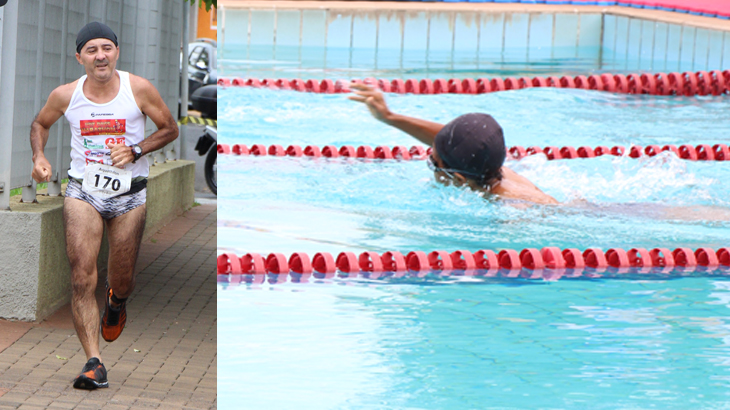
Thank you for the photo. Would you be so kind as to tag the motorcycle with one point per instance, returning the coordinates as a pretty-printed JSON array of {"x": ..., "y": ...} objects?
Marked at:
[
  {"x": 205, "y": 100},
  {"x": 208, "y": 145}
]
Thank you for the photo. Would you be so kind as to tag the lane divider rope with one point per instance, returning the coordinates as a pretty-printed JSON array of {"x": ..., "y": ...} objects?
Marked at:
[
  {"x": 701, "y": 152},
  {"x": 546, "y": 263},
  {"x": 701, "y": 83}
]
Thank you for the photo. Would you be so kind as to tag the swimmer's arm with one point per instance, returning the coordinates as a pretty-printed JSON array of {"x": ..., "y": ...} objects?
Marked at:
[
  {"x": 152, "y": 105},
  {"x": 695, "y": 213},
  {"x": 422, "y": 130},
  {"x": 54, "y": 108}
]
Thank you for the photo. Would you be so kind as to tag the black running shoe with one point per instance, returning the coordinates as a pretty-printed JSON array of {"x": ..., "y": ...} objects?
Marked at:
[{"x": 93, "y": 376}]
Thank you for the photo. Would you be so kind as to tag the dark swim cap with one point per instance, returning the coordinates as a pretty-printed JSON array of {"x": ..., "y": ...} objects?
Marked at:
[
  {"x": 94, "y": 30},
  {"x": 472, "y": 144}
]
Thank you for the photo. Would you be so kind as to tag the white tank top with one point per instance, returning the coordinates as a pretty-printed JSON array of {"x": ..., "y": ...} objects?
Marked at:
[{"x": 94, "y": 125}]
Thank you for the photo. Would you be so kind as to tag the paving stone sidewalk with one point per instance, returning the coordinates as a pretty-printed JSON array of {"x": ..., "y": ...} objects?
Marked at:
[{"x": 166, "y": 356}]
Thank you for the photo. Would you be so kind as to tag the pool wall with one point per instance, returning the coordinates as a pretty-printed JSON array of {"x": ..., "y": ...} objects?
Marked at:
[{"x": 615, "y": 38}]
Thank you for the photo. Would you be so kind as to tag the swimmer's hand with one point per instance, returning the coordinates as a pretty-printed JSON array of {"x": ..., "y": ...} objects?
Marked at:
[
  {"x": 121, "y": 154},
  {"x": 41, "y": 169},
  {"x": 374, "y": 99}
]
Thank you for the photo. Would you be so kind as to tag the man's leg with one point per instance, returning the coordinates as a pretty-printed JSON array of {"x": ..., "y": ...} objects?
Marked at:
[
  {"x": 84, "y": 228},
  {"x": 125, "y": 235}
]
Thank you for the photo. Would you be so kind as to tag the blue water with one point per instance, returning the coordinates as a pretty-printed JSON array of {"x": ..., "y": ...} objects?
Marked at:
[
  {"x": 629, "y": 342},
  {"x": 261, "y": 61},
  {"x": 312, "y": 205},
  {"x": 550, "y": 345}
]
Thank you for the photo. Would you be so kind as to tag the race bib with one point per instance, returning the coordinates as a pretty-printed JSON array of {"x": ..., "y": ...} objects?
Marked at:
[{"x": 106, "y": 181}]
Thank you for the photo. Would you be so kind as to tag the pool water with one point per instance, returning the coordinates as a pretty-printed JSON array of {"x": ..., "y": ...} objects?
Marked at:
[
  {"x": 458, "y": 342},
  {"x": 548, "y": 345},
  {"x": 259, "y": 61},
  {"x": 452, "y": 342},
  {"x": 312, "y": 205}
]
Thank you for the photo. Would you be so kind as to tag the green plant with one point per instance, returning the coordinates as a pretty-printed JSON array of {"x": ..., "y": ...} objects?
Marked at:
[
  {"x": 208, "y": 3},
  {"x": 18, "y": 191}
]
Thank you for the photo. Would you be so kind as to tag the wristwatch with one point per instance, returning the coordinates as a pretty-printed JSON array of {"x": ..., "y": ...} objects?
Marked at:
[{"x": 137, "y": 151}]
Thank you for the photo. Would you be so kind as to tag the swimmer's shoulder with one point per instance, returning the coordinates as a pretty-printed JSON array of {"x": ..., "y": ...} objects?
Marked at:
[{"x": 516, "y": 187}]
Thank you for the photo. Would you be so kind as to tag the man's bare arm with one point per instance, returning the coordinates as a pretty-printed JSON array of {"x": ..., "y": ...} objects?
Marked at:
[
  {"x": 422, "y": 130},
  {"x": 55, "y": 106},
  {"x": 151, "y": 104}
]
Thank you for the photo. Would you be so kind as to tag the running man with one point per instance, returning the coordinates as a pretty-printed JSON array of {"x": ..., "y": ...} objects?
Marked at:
[
  {"x": 468, "y": 151},
  {"x": 107, "y": 110}
]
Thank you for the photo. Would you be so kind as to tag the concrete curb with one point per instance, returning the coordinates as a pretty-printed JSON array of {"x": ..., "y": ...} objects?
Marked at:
[{"x": 36, "y": 273}]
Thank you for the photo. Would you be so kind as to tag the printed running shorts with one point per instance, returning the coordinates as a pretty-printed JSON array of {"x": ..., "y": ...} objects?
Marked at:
[{"x": 111, "y": 208}]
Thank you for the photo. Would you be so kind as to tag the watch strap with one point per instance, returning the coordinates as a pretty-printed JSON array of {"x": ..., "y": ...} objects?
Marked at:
[{"x": 137, "y": 155}]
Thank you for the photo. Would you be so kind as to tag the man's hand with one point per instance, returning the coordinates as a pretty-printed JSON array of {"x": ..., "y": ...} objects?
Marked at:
[
  {"x": 374, "y": 99},
  {"x": 422, "y": 130},
  {"x": 41, "y": 169},
  {"x": 121, "y": 154}
]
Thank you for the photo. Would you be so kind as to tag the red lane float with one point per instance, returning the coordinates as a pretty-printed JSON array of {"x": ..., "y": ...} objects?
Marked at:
[
  {"x": 596, "y": 259},
  {"x": 258, "y": 150},
  {"x": 701, "y": 152},
  {"x": 529, "y": 263},
  {"x": 573, "y": 259},
  {"x": 417, "y": 261},
  {"x": 240, "y": 149},
  {"x": 684, "y": 257},
  {"x": 229, "y": 263},
  {"x": 440, "y": 261},
  {"x": 324, "y": 263},
  {"x": 276, "y": 263},
  {"x": 312, "y": 151},
  {"x": 253, "y": 263},
  {"x": 463, "y": 260},
  {"x": 347, "y": 262},
  {"x": 531, "y": 259},
  {"x": 347, "y": 151},
  {"x": 394, "y": 262},
  {"x": 700, "y": 83},
  {"x": 299, "y": 263}
]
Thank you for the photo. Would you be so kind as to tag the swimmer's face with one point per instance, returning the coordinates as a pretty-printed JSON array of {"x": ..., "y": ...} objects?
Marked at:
[
  {"x": 99, "y": 58},
  {"x": 441, "y": 173}
]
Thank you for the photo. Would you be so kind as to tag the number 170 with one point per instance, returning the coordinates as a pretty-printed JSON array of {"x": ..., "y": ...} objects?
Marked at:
[{"x": 116, "y": 184}]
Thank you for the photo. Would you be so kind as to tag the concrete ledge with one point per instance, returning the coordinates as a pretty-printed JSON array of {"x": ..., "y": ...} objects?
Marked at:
[
  {"x": 170, "y": 192},
  {"x": 35, "y": 273}
]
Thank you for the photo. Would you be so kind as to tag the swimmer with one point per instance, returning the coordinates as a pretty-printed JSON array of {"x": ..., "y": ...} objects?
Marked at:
[
  {"x": 468, "y": 151},
  {"x": 107, "y": 111}
]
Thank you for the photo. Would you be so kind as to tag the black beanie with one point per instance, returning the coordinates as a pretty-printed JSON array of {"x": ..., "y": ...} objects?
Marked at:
[
  {"x": 94, "y": 30},
  {"x": 472, "y": 144}
]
